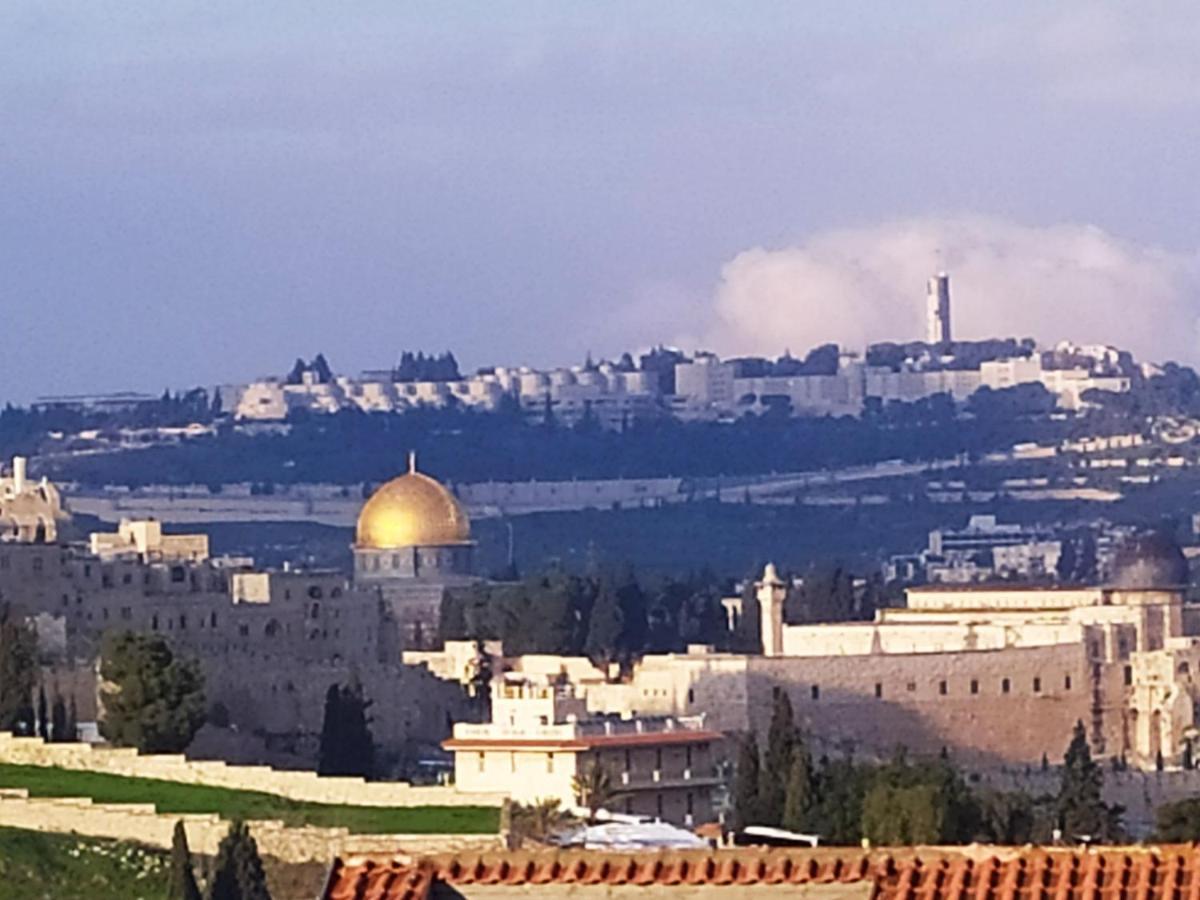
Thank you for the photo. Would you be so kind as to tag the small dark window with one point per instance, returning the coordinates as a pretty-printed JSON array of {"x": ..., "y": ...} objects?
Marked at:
[
  {"x": 1128, "y": 675},
  {"x": 658, "y": 804},
  {"x": 878, "y": 689},
  {"x": 974, "y": 685},
  {"x": 1067, "y": 683},
  {"x": 178, "y": 575},
  {"x": 943, "y": 688},
  {"x": 688, "y": 757},
  {"x": 1005, "y": 685},
  {"x": 691, "y": 696},
  {"x": 911, "y": 687},
  {"x": 1037, "y": 685},
  {"x": 816, "y": 692},
  {"x": 658, "y": 759},
  {"x": 690, "y": 804},
  {"x": 627, "y": 761},
  {"x": 154, "y": 622},
  {"x": 183, "y": 622}
]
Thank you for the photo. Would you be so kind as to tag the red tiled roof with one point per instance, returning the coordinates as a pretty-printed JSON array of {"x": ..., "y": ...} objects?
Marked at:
[
  {"x": 586, "y": 742},
  {"x": 927, "y": 873}
]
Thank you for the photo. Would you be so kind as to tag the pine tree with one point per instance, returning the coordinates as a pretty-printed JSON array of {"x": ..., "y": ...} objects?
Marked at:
[
  {"x": 745, "y": 785},
  {"x": 182, "y": 884},
  {"x": 238, "y": 872},
  {"x": 782, "y": 741},
  {"x": 43, "y": 713},
  {"x": 1079, "y": 806}
]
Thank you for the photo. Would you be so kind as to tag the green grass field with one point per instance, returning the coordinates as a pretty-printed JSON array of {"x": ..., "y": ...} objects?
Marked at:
[
  {"x": 36, "y": 866},
  {"x": 172, "y": 797}
]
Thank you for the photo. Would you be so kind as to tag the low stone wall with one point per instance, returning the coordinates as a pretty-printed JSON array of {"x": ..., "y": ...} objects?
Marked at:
[
  {"x": 142, "y": 823},
  {"x": 302, "y": 786}
]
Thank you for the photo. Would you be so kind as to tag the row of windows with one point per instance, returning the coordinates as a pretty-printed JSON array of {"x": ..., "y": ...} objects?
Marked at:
[{"x": 974, "y": 686}]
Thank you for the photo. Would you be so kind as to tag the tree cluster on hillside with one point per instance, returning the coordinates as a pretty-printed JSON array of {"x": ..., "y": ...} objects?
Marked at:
[
  {"x": 419, "y": 367},
  {"x": 18, "y": 672},
  {"x": 151, "y": 699},
  {"x": 318, "y": 370},
  {"x": 608, "y": 617},
  {"x": 464, "y": 444},
  {"x": 238, "y": 870},
  {"x": 347, "y": 746},
  {"x": 907, "y": 800}
]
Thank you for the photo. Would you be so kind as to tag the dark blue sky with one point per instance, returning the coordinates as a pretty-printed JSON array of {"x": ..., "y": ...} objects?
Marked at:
[{"x": 199, "y": 192}]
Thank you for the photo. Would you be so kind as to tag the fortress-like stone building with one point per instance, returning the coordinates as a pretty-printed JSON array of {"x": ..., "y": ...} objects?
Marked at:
[
  {"x": 271, "y": 642},
  {"x": 999, "y": 675}
]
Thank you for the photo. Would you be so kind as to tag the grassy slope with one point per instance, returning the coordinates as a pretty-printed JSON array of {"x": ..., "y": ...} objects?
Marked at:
[
  {"x": 171, "y": 797},
  {"x": 34, "y": 866}
]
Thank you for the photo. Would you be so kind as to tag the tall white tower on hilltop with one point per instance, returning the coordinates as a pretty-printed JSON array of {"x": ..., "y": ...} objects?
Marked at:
[{"x": 937, "y": 309}]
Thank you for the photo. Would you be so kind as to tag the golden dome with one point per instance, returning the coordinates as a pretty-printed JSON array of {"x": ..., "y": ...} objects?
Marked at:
[{"x": 413, "y": 510}]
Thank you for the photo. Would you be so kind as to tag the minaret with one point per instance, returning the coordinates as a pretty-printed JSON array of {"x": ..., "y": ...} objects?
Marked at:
[
  {"x": 771, "y": 592},
  {"x": 937, "y": 310}
]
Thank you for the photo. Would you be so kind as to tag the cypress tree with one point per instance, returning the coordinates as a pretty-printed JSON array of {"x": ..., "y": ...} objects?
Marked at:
[
  {"x": 58, "y": 720},
  {"x": 782, "y": 741},
  {"x": 182, "y": 885},
  {"x": 798, "y": 798},
  {"x": 745, "y": 786},
  {"x": 330, "y": 758},
  {"x": 358, "y": 744},
  {"x": 238, "y": 872},
  {"x": 1079, "y": 806},
  {"x": 43, "y": 713},
  {"x": 72, "y": 721}
]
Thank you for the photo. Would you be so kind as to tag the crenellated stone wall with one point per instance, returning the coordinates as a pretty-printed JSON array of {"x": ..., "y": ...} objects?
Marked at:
[{"x": 302, "y": 786}]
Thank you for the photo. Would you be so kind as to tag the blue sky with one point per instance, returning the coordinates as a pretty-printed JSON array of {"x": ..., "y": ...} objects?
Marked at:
[{"x": 199, "y": 192}]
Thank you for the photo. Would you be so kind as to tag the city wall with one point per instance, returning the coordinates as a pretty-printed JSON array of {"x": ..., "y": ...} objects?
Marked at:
[
  {"x": 143, "y": 824},
  {"x": 302, "y": 786}
]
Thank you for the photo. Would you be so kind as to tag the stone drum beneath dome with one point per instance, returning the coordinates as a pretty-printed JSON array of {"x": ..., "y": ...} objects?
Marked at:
[{"x": 413, "y": 539}]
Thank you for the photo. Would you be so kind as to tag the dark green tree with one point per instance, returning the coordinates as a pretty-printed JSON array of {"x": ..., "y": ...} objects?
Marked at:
[
  {"x": 151, "y": 699},
  {"x": 329, "y": 759},
  {"x": 783, "y": 742},
  {"x": 238, "y": 871},
  {"x": 347, "y": 746},
  {"x": 18, "y": 672},
  {"x": 72, "y": 721},
  {"x": 182, "y": 884},
  {"x": 43, "y": 715},
  {"x": 605, "y": 626},
  {"x": 1079, "y": 807},
  {"x": 745, "y": 784},
  {"x": 798, "y": 798},
  {"x": 58, "y": 721},
  {"x": 1178, "y": 822}
]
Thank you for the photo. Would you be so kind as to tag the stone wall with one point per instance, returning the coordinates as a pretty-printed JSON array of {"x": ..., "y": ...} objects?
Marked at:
[
  {"x": 142, "y": 823},
  {"x": 302, "y": 786}
]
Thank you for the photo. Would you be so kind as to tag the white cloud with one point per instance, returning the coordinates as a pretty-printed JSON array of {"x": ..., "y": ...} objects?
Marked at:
[{"x": 1071, "y": 281}]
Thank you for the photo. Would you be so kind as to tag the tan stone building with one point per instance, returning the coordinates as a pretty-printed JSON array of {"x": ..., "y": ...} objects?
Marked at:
[
  {"x": 997, "y": 674},
  {"x": 542, "y": 736}
]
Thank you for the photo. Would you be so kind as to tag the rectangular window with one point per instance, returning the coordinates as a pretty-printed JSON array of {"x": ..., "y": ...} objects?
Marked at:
[
  {"x": 911, "y": 687},
  {"x": 1037, "y": 685},
  {"x": 658, "y": 804},
  {"x": 628, "y": 762},
  {"x": 1005, "y": 685},
  {"x": 816, "y": 692},
  {"x": 878, "y": 689},
  {"x": 1067, "y": 683},
  {"x": 689, "y": 757},
  {"x": 974, "y": 685},
  {"x": 1128, "y": 675},
  {"x": 658, "y": 759},
  {"x": 690, "y": 804},
  {"x": 943, "y": 688}
]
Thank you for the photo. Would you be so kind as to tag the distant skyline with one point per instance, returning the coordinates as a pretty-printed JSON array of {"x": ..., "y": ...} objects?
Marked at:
[{"x": 193, "y": 193}]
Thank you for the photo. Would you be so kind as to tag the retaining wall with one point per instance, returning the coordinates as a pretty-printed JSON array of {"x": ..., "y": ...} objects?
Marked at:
[
  {"x": 142, "y": 823},
  {"x": 303, "y": 786}
]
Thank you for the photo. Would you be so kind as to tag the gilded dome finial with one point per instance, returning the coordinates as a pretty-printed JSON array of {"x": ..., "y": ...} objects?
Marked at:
[{"x": 412, "y": 461}]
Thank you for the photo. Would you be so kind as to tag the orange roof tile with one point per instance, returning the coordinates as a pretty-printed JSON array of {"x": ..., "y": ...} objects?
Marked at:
[{"x": 925, "y": 873}]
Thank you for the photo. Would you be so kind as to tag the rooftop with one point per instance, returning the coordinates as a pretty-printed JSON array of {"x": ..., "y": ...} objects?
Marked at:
[{"x": 930, "y": 873}]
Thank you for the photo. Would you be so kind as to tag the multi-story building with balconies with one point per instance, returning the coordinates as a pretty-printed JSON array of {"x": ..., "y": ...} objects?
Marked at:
[{"x": 541, "y": 738}]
